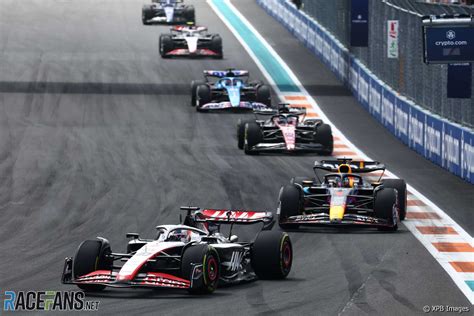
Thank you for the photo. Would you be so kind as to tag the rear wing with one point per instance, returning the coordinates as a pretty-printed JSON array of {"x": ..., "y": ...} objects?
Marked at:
[
  {"x": 165, "y": 1},
  {"x": 226, "y": 73},
  {"x": 220, "y": 216},
  {"x": 270, "y": 111},
  {"x": 354, "y": 166}
]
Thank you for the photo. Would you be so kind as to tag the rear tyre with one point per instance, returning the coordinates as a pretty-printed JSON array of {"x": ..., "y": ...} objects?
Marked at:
[
  {"x": 91, "y": 256},
  {"x": 204, "y": 282},
  {"x": 252, "y": 136},
  {"x": 323, "y": 136},
  {"x": 189, "y": 14},
  {"x": 401, "y": 187},
  {"x": 194, "y": 85},
  {"x": 165, "y": 45},
  {"x": 290, "y": 205},
  {"x": 216, "y": 44},
  {"x": 272, "y": 255},
  {"x": 203, "y": 96},
  {"x": 241, "y": 132},
  {"x": 384, "y": 203},
  {"x": 263, "y": 95},
  {"x": 147, "y": 14}
]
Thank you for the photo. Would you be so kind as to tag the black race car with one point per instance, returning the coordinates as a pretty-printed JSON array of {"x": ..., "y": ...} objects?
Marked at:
[
  {"x": 229, "y": 89},
  {"x": 167, "y": 12},
  {"x": 343, "y": 197},
  {"x": 286, "y": 130},
  {"x": 193, "y": 255}
]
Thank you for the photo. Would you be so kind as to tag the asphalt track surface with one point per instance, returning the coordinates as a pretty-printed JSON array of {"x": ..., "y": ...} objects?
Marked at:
[{"x": 97, "y": 138}]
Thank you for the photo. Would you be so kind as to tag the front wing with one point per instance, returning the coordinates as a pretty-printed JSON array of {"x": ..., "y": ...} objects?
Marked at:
[
  {"x": 348, "y": 219},
  {"x": 109, "y": 278},
  {"x": 281, "y": 147},
  {"x": 184, "y": 52},
  {"x": 244, "y": 105}
]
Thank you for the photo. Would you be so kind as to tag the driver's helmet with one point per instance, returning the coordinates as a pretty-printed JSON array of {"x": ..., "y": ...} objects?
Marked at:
[
  {"x": 183, "y": 235},
  {"x": 348, "y": 182},
  {"x": 336, "y": 182}
]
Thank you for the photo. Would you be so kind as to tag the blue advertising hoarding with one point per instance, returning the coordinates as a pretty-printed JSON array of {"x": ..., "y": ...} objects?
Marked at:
[
  {"x": 359, "y": 23},
  {"x": 451, "y": 156},
  {"x": 401, "y": 120},
  {"x": 448, "y": 44},
  {"x": 433, "y": 139},
  {"x": 467, "y": 156}
]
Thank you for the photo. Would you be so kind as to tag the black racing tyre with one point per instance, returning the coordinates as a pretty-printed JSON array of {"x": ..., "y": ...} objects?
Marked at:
[
  {"x": 401, "y": 187},
  {"x": 323, "y": 136},
  {"x": 241, "y": 132},
  {"x": 147, "y": 14},
  {"x": 206, "y": 282},
  {"x": 91, "y": 256},
  {"x": 272, "y": 255},
  {"x": 194, "y": 85},
  {"x": 263, "y": 95},
  {"x": 384, "y": 202},
  {"x": 252, "y": 136},
  {"x": 290, "y": 204},
  {"x": 203, "y": 95},
  {"x": 189, "y": 14},
  {"x": 165, "y": 45},
  {"x": 216, "y": 44}
]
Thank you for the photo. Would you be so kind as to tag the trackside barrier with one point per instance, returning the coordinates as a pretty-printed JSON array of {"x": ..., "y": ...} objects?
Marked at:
[{"x": 445, "y": 143}]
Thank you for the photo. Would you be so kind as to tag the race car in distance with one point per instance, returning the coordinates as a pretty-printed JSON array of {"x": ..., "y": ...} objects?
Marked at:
[
  {"x": 190, "y": 41},
  {"x": 229, "y": 89},
  {"x": 285, "y": 131},
  {"x": 167, "y": 12},
  {"x": 193, "y": 255},
  {"x": 343, "y": 197}
]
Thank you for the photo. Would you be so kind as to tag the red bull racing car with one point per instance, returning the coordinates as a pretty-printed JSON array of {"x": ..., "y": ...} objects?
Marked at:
[
  {"x": 286, "y": 130},
  {"x": 343, "y": 197},
  {"x": 190, "y": 41},
  {"x": 194, "y": 255}
]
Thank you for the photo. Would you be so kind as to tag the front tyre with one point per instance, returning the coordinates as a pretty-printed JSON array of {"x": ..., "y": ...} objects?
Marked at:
[
  {"x": 289, "y": 205},
  {"x": 253, "y": 136},
  {"x": 194, "y": 85},
  {"x": 401, "y": 187},
  {"x": 216, "y": 46},
  {"x": 323, "y": 136},
  {"x": 91, "y": 256},
  {"x": 204, "y": 96},
  {"x": 241, "y": 132},
  {"x": 272, "y": 255},
  {"x": 200, "y": 264},
  {"x": 165, "y": 45},
  {"x": 385, "y": 204}
]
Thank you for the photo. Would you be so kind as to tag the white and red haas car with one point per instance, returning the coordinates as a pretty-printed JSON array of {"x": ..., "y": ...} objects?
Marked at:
[
  {"x": 193, "y": 255},
  {"x": 190, "y": 41},
  {"x": 285, "y": 131}
]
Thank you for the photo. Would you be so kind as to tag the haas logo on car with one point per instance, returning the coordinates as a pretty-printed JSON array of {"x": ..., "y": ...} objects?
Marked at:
[{"x": 235, "y": 261}]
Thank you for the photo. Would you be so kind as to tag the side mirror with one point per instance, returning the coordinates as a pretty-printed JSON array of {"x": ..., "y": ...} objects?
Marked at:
[
  {"x": 133, "y": 235},
  {"x": 233, "y": 238}
]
